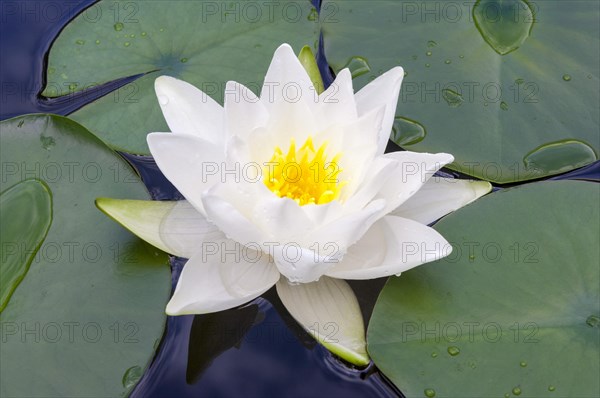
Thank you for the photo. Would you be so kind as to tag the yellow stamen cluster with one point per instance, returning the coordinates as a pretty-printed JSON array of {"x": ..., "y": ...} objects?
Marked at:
[{"x": 304, "y": 175}]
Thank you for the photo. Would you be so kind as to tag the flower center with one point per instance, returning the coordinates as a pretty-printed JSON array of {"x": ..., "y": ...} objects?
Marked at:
[{"x": 304, "y": 175}]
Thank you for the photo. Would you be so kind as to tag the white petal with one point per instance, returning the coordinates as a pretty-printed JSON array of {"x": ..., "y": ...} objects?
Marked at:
[
  {"x": 188, "y": 110},
  {"x": 290, "y": 99},
  {"x": 256, "y": 149},
  {"x": 241, "y": 153},
  {"x": 362, "y": 133},
  {"x": 382, "y": 91},
  {"x": 184, "y": 230},
  {"x": 223, "y": 276},
  {"x": 325, "y": 213},
  {"x": 281, "y": 219},
  {"x": 337, "y": 104},
  {"x": 288, "y": 120},
  {"x": 358, "y": 145},
  {"x": 243, "y": 109},
  {"x": 279, "y": 226},
  {"x": 174, "y": 227},
  {"x": 303, "y": 265},
  {"x": 440, "y": 196},
  {"x": 329, "y": 311},
  {"x": 286, "y": 80},
  {"x": 392, "y": 246},
  {"x": 226, "y": 209},
  {"x": 189, "y": 162},
  {"x": 378, "y": 174},
  {"x": 412, "y": 171},
  {"x": 346, "y": 230}
]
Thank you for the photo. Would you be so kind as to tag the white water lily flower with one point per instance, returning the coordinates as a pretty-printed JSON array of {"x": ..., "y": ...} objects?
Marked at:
[{"x": 292, "y": 189}]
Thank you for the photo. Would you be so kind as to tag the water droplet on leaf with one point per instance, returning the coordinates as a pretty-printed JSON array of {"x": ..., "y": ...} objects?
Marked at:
[
  {"x": 516, "y": 391},
  {"x": 80, "y": 42},
  {"x": 47, "y": 142},
  {"x": 358, "y": 66},
  {"x": 429, "y": 392},
  {"x": 503, "y": 24},
  {"x": 560, "y": 156},
  {"x": 431, "y": 43},
  {"x": 119, "y": 26},
  {"x": 453, "y": 350},
  {"x": 407, "y": 132},
  {"x": 593, "y": 321},
  {"x": 566, "y": 78},
  {"x": 453, "y": 98},
  {"x": 523, "y": 364},
  {"x": 132, "y": 376}
]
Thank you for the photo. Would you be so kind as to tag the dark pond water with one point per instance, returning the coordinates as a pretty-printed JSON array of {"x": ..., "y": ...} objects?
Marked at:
[{"x": 255, "y": 350}]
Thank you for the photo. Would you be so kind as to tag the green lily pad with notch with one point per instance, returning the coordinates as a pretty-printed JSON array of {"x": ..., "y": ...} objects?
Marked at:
[
  {"x": 514, "y": 309},
  {"x": 205, "y": 43},
  {"x": 25, "y": 216},
  {"x": 510, "y": 88},
  {"x": 92, "y": 303}
]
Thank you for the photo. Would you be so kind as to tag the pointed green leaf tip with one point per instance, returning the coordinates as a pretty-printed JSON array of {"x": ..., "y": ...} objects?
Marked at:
[
  {"x": 308, "y": 61},
  {"x": 174, "y": 227},
  {"x": 141, "y": 217}
]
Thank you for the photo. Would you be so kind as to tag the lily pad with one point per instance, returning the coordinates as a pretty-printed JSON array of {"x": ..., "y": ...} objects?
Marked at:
[
  {"x": 92, "y": 304},
  {"x": 491, "y": 81},
  {"x": 25, "y": 216},
  {"x": 513, "y": 310},
  {"x": 205, "y": 43}
]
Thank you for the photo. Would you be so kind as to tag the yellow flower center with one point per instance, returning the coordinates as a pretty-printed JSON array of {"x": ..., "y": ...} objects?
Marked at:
[{"x": 304, "y": 175}]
